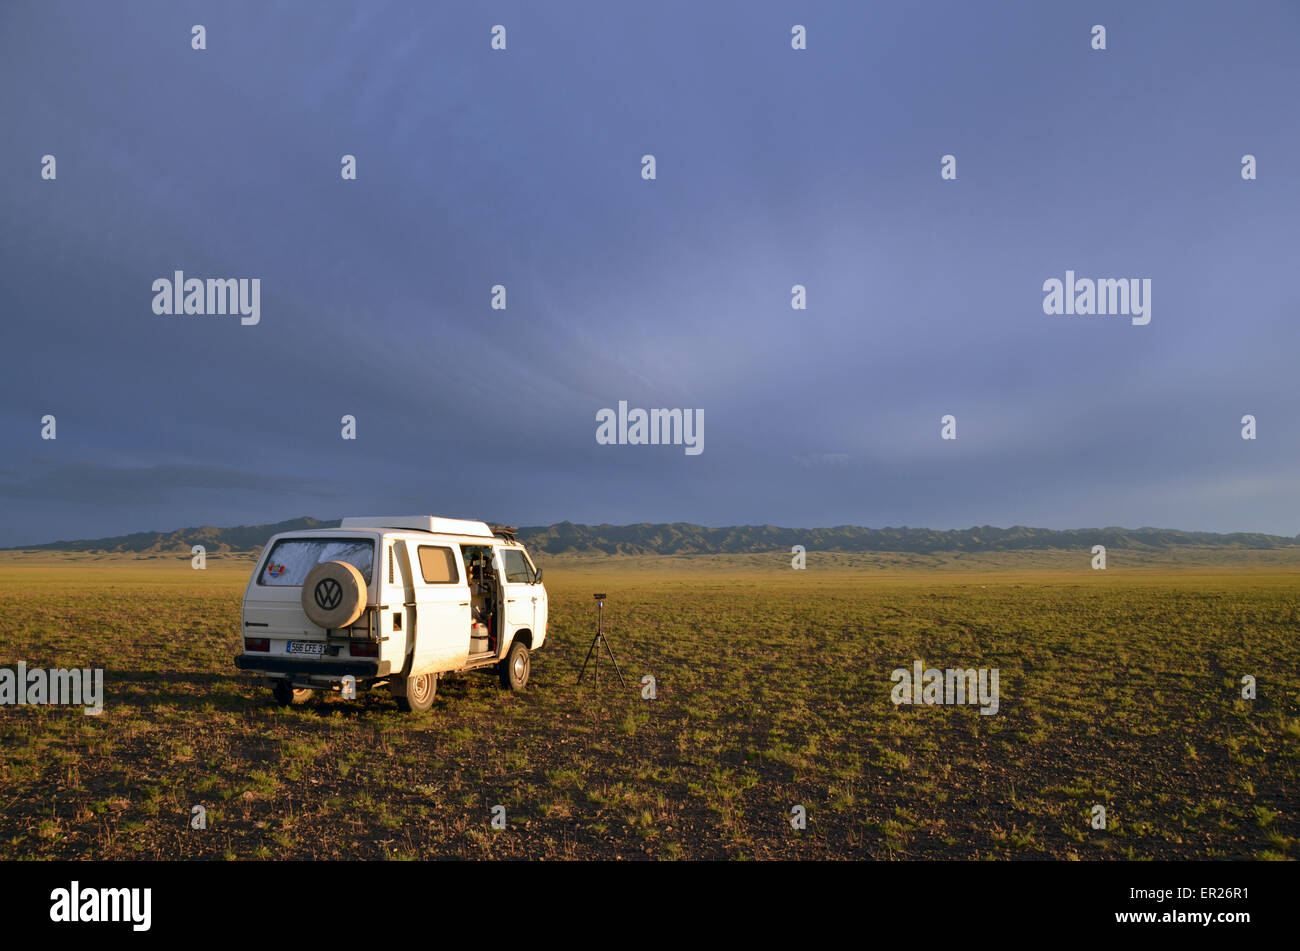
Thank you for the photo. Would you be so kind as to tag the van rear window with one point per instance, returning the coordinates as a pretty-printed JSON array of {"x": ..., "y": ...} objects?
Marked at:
[{"x": 293, "y": 558}]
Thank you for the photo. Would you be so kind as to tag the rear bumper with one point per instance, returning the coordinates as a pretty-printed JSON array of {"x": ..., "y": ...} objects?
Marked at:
[{"x": 298, "y": 667}]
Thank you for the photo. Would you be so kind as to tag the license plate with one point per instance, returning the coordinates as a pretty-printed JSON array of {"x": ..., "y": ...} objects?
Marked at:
[{"x": 306, "y": 647}]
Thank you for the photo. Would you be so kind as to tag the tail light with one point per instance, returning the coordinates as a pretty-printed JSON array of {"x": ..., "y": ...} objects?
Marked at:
[
  {"x": 365, "y": 648},
  {"x": 262, "y": 644}
]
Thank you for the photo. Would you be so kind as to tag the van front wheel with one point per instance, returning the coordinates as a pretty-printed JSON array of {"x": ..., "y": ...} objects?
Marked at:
[
  {"x": 419, "y": 693},
  {"x": 516, "y": 666}
]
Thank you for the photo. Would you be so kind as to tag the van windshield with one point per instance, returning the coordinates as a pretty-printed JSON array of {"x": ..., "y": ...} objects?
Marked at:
[{"x": 292, "y": 558}]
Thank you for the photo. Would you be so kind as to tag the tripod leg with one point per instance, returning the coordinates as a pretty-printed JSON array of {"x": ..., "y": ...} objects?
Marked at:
[
  {"x": 584, "y": 663},
  {"x": 619, "y": 670}
]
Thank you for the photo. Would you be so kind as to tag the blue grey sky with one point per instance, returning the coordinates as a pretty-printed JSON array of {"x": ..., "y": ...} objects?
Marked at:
[{"x": 775, "y": 167}]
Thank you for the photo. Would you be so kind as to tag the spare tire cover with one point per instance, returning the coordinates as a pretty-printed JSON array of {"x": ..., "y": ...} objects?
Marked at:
[{"x": 334, "y": 594}]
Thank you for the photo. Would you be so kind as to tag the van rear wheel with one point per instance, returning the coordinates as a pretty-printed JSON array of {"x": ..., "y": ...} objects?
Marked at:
[
  {"x": 419, "y": 693},
  {"x": 516, "y": 667},
  {"x": 285, "y": 694}
]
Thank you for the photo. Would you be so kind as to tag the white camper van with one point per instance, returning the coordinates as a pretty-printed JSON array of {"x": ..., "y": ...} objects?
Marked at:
[{"x": 395, "y": 601}]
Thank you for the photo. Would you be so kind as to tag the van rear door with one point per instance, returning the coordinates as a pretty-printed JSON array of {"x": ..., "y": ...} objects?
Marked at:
[{"x": 273, "y": 599}]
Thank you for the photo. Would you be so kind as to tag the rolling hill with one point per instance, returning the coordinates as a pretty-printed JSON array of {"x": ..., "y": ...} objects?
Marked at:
[{"x": 683, "y": 538}]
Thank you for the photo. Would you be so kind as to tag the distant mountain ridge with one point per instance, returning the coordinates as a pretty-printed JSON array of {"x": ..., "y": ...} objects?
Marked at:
[
  {"x": 237, "y": 539},
  {"x": 684, "y": 538}
]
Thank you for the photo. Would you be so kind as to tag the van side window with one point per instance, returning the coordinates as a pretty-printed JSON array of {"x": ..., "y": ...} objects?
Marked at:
[
  {"x": 517, "y": 570},
  {"x": 438, "y": 565}
]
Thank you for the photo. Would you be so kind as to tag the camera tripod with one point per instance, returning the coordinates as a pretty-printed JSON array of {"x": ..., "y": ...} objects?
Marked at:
[{"x": 600, "y": 639}]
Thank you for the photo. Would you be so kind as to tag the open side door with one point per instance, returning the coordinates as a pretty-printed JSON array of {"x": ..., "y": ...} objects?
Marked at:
[{"x": 441, "y": 599}]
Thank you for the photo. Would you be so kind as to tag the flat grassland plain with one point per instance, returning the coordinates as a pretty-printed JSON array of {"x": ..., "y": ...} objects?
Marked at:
[{"x": 1119, "y": 687}]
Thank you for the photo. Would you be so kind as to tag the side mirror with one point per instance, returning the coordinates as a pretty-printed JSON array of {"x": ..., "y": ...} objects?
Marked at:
[{"x": 539, "y": 577}]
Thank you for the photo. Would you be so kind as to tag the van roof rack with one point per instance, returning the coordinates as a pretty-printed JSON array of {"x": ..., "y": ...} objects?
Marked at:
[
  {"x": 420, "y": 523},
  {"x": 508, "y": 532}
]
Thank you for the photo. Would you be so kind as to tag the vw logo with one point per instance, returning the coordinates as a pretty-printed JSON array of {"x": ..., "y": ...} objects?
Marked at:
[{"x": 328, "y": 593}]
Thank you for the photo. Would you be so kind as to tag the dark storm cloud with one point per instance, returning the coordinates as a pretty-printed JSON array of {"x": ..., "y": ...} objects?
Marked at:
[
  {"x": 775, "y": 167},
  {"x": 48, "y": 480}
]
